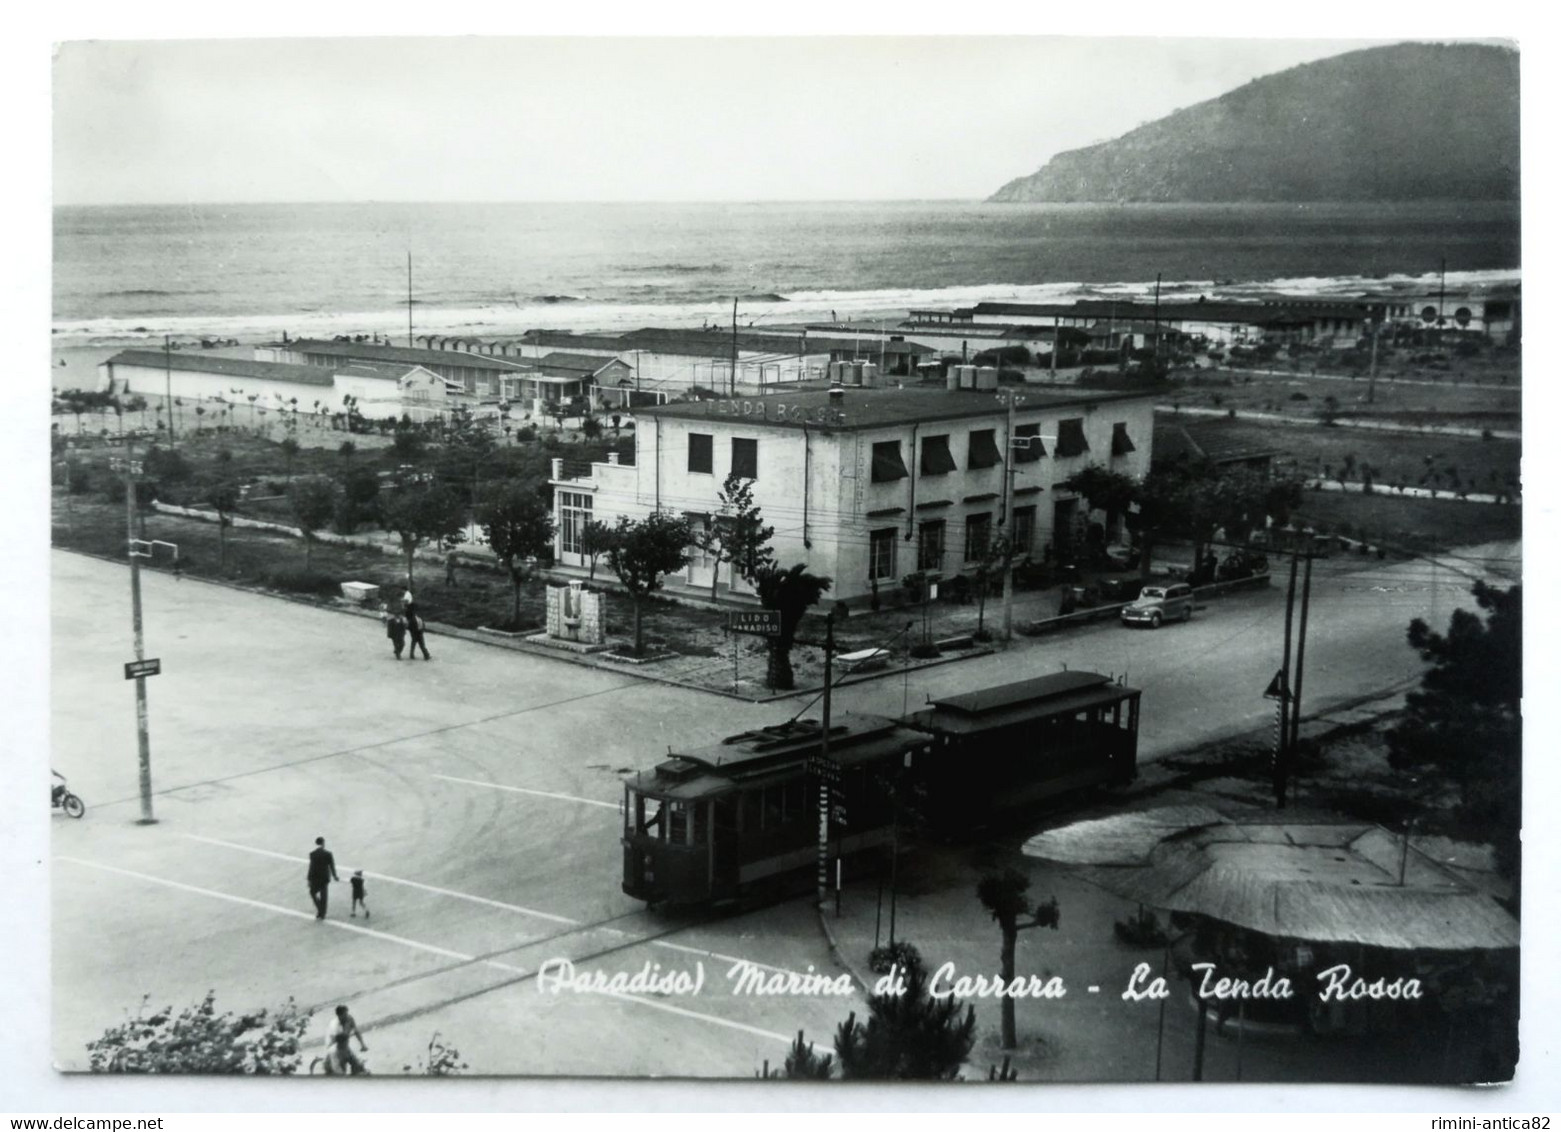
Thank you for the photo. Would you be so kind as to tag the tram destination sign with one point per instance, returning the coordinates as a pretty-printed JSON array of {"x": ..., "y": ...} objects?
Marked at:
[
  {"x": 761, "y": 622},
  {"x": 136, "y": 669}
]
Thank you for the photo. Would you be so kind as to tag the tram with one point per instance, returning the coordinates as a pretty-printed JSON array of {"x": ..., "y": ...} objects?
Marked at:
[{"x": 717, "y": 823}]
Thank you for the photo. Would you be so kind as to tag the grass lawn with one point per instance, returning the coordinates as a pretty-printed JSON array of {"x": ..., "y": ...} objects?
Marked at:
[
  {"x": 1404, "y": 459},
  {"x": 1412, "y": 524}
]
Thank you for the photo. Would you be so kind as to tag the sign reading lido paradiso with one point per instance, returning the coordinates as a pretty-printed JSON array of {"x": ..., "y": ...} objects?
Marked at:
[
  {"x": 136, "y": 669},
  {"x": 763, "y": 622}
]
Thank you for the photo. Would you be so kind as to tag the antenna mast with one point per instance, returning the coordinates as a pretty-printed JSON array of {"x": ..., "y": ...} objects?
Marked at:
[{"x": 410, "y": 342}]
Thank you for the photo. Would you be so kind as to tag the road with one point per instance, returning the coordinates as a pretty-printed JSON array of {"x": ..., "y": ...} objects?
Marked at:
[{"x": 479, "y": 792}]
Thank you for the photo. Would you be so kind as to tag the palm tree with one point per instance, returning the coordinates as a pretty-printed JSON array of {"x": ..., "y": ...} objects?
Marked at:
[{"x": 791, "y": 591}]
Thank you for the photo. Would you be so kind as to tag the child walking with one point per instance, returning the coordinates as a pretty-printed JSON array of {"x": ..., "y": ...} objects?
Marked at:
[
  {"x": 357, "y": 894},
  {"x": 396, "y": 630}
]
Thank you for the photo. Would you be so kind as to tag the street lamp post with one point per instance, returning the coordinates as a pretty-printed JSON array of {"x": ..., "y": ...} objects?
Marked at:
[
  {"x": 133, "y": 469},
  {"x": 1015, "y": 445}
]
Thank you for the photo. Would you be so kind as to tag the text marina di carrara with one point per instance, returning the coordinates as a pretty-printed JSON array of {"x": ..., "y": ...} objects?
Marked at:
[{"x": 1335, "y": 984}]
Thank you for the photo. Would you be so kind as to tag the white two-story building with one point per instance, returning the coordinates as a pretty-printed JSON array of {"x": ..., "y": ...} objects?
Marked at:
[{"x": 868, "y": 485}]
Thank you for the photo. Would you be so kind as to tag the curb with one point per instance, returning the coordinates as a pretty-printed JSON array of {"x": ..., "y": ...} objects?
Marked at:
[{"x": 837, "y": 953}]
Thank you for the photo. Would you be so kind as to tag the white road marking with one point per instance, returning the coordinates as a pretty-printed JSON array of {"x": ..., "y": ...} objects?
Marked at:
[
  {"x": 293, "y": 912},
  {"x": 381, "y": 878},
  {"x": 517, "y": 908},
  {"x": 414, "y": 944},
  {"x": 614, "y": 806}
]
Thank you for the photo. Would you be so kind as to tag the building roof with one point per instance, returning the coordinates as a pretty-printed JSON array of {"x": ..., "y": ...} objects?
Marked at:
[
  {"x": 862, "y": 408},
  {"x": 429, "y": 359},
  {"x": 224, "y": 366},
  {"x": 383, "y": 372},
  {"x": 570, "y": 340},
  {"x": 588, "y": 364}
]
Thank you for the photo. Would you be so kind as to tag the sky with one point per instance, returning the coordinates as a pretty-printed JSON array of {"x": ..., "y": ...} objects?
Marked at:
[{"x": 613, "y": 119}]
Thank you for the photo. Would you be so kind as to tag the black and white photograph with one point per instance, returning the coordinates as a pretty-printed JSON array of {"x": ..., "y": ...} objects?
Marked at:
[{"x": 981, "y": 559}]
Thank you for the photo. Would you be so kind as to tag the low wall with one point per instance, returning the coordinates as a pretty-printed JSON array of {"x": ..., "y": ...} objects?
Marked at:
[{"x": 1100, "y": 612}]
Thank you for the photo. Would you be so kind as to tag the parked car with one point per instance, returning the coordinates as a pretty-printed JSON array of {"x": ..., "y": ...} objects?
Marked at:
[{"x": 1155, "y": 604}]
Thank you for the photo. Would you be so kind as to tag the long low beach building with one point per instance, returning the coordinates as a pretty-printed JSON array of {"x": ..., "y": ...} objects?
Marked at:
[{"x": 386, "y": 391}]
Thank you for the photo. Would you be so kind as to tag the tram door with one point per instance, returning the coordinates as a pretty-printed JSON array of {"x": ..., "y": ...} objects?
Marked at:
[{"x": 725, "y": 849}]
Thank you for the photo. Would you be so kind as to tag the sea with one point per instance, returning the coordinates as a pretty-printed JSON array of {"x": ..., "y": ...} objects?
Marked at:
[{"x": 124, "y": 275}]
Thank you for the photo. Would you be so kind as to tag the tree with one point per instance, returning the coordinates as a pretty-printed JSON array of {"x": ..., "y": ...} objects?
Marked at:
[
  {"x": 518, "y": 526},
  {"x": 421, "y": 514},
  {"x": 1003, "y": 895},
  {"x": 803, "y": 1063},
  {"x": 1465, "y": 721},
  {"x": 199, "y": 1040},
  {"x": 223, "y": 495},
  {"x": 407, "y": 443},
  {"x": 289, "y": 454},
  {"x": 791, "y": 591},
  {"x": 313, "y": 503},
  {"x": 910, "y": 1036},
  {"x": 737, "y": 533},
  {"x": 359, "y": 499},
  {"x": 641, "y": 553},
  {"x": 595, "y": 541}
]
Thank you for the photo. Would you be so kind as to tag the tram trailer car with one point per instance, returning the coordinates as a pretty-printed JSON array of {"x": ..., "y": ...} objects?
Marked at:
[
  {"x": 712, "y": 824},
  {"x": 1004, "y": 748}
]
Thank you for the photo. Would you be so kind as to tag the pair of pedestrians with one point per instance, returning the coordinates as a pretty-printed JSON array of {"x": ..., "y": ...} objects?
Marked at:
[
  {"x": 407, "y": 622},
  {"x": 322, "y": 871}
]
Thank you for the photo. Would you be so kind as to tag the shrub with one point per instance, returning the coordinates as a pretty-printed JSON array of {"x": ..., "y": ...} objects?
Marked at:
[{"x": 300, "y": 581}]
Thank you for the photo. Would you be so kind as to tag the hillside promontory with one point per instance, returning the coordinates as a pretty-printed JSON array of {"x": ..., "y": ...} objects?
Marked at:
[{"x": 1410, "y": 121}]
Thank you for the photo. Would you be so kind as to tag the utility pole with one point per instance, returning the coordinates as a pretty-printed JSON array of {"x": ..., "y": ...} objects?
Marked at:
[
  {"x": 167, "y": 385},
  {"x": 1371, "y": 379},
  {"x": 825, "y": 775},
  {"x": 1056, "y": 341},
  {"x": 1300, "y": 655},
  {"x": 410, "y": 340},
  {"x": 732, "y": 389},
  {"x": 1282, "y": 736},
  {"x": 1156, "y": 348},
  {"x": 143, "y": 739},
  {"x": 1008, "y": 526}
]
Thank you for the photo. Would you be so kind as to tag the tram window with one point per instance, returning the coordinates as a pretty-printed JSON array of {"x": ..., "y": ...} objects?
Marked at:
[
  {"x": 774, "y": 814},
  {"x": 794, "y": 800},
  {"x": 752, "y": 806},
  {"x": 648, "y": 815},
  {"x": 677, "y": 829}
]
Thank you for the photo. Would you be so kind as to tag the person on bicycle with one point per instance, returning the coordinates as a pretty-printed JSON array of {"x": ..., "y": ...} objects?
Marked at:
[{"x": 339, "y": 1057}]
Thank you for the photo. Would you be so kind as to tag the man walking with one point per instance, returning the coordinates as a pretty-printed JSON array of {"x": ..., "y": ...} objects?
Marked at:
[
  {"x": 415, "y": 628},
  {"x": 322, "y": 870}
]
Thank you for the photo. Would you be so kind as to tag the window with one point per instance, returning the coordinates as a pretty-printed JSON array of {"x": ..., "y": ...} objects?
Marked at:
[
  {"x": 1028, "y": 447},
  {"x": 880, "y": 554},
  {"x": 1023, "y": 533},
  {"x": 745, "y": 457},
  {"x": 978, "y": 535},
  {"x": 1121, "y": 443},
  {"x": 701, "y": 457},
  {"x": 936, "y": 459},
  {"x": 983, "y": 449},
  {"x": 929, "y": 554},
  {"x": 1070, "y": 438},
  {"x": 574, "y": 512},
  {"x": 699, "y": 557},
  {"x": 887, "y": 465}
]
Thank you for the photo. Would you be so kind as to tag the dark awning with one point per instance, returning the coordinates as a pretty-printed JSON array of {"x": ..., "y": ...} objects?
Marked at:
[
  {"x": 936, "y": 459},
  {"x": 887, "y": 465},
  {"x": 885, "y": 512},
  {"x": 1070, "y": 438},
  {"x": 1121, "y": 443},
  {"x": 983, "y": 449},
  {"x": 1033, "y": 447}
]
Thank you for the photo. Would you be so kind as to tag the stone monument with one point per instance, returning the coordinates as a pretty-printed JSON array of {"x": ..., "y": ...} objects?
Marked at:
[{"x": 576, "y": 619}]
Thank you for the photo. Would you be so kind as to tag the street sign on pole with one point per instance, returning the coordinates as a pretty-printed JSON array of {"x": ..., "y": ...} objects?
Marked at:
[
  {"x": 136, "y": 669},
  {"x": 1276, "y": 687},
  {"x": 761, "y": 622}
]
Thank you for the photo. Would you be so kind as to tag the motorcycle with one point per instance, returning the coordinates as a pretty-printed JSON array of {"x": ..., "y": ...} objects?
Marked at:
[{"x": 60, "y": 798}]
